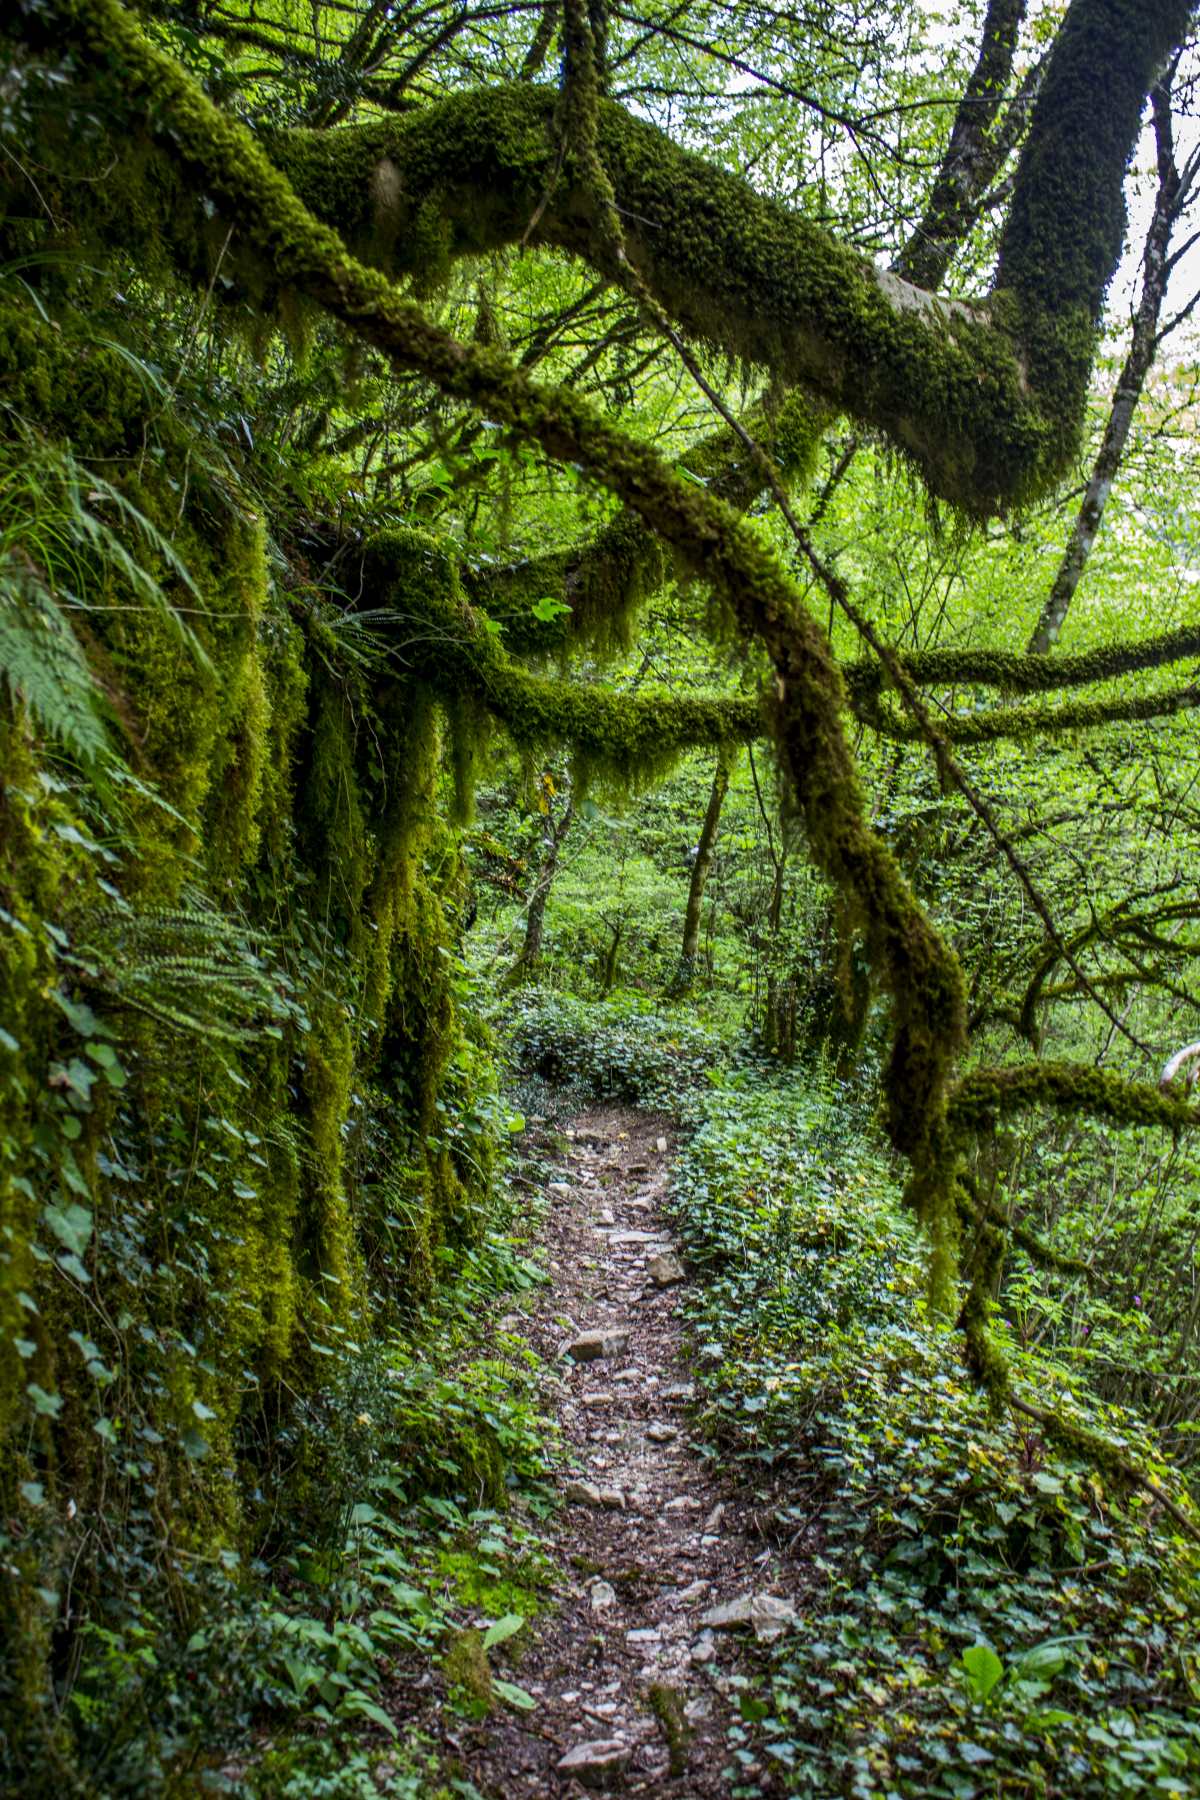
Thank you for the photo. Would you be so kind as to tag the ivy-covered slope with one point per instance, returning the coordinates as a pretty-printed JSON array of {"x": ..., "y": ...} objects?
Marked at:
[{"x": 241, "y": 1104}]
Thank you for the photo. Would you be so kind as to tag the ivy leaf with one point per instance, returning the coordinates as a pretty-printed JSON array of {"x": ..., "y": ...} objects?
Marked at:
[
  {"x": 983, "y": 1668},
  {"x": 71, "y": 1225},
  {"x": 362, "y": 1706}
]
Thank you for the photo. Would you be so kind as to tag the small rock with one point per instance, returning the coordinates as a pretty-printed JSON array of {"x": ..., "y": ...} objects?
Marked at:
[
  {"x": 559, "y": 1187},
  {"x": 695, "y": 1590},
  {"x": 605, "y": 1340},
  {"x": 637, "y": 1237},
  {"x": 713, "y": 1521},
  {"x": 637, "y": 1168},
  {"x": 568, "y": 1697},
  {"x": 648, "y": 1635},
  {"x": 595, "y": 1399},
  {"x": 683, "y": 1503},
  {"x": 705, "y": 1648},
  {"x": 729, "y": 1616},
  {"x": 511, "y": 1322},
  {"x": 586, "y": 1493},
  {"x": 661, "y": 1434},
  {"x": 598, "y": 1763},
  {"x": 602, "y": 1595},
  {"x": 613, "y": 1496},
  {"x": 607, "y": 1216},
  {"x": 683, "y": 1392},
  {"x": 770, "y": 1617},
  {"x": 660, "y": 1144},
  {"x": 665, "y": 1270},
  {"x": 631, "y": 1374}
]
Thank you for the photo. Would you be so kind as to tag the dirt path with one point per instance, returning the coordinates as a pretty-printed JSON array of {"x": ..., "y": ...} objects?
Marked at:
[{"x": 635, "y": 1680}]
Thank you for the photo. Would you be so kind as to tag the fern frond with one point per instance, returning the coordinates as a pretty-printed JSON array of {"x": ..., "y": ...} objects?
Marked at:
[{"x": 44, "y": 667}]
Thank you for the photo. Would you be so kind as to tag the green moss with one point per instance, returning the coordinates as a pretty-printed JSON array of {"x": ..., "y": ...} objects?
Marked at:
[
  {"x": 220, "y": 1191},
  {"x": 467, "y": 1675},
  {"x": 478, "y": 1587}
]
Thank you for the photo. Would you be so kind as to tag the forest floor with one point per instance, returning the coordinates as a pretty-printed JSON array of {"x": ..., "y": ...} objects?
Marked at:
[{"x": 660, "y": 1583}]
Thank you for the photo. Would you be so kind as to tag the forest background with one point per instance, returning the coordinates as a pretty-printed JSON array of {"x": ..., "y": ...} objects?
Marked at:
[{"x": 596, "y": 624}]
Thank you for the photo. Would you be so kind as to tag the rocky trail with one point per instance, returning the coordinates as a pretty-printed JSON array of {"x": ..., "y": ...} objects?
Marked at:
[{"x": 662, "y": 1585}]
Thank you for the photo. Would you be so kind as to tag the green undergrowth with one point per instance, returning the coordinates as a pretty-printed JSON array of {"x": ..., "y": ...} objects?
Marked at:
[
  {"x": 985, "y": 1615},
  {"x": 434, "y": 1458}
]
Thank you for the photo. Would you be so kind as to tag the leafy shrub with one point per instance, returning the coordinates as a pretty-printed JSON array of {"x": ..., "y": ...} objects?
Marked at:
[{"x": 622, "y": 1049}]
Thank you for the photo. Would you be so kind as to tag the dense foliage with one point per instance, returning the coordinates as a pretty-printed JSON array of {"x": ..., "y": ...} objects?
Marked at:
[{"x": 505, "y": 509}]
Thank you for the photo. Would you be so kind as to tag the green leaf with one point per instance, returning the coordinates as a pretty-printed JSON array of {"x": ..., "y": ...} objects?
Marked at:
[
  {"x": 78, "y": 1013},
  {"x": 984, "y": 1669},
  {"x": 503, "y": 1628},
  {"x": 1041, "y": 1663},
  {"x": 512, "y": 1695},
  {"x": 49, "y": 1405},
  {"x": 362, "y": 1706}
]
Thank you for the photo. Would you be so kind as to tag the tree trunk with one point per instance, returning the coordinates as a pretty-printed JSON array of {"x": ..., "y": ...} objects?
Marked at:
[
  {"x": 1156, "y": 265},
  {"x": 686, "y": 972},
  {"x": 553, "y": 837}
]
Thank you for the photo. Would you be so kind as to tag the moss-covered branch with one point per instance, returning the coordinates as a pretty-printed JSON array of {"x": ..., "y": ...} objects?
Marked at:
[
  {"x": 434, "y": 636},
  {"x": 987, "y": 1095},
  {"x": 605, "y": 580},
  {"x": 223, "y": 160},
  {"x": 986, "y": 401},
  {"x": 1034, "y": 721},
  {"x": 1013, "y": 673}
]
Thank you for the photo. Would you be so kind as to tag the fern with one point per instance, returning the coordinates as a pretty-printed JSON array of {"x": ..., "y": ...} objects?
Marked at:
[
  {"x": 56, "y": 546},
  {"x": 191, "y": 968}
]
